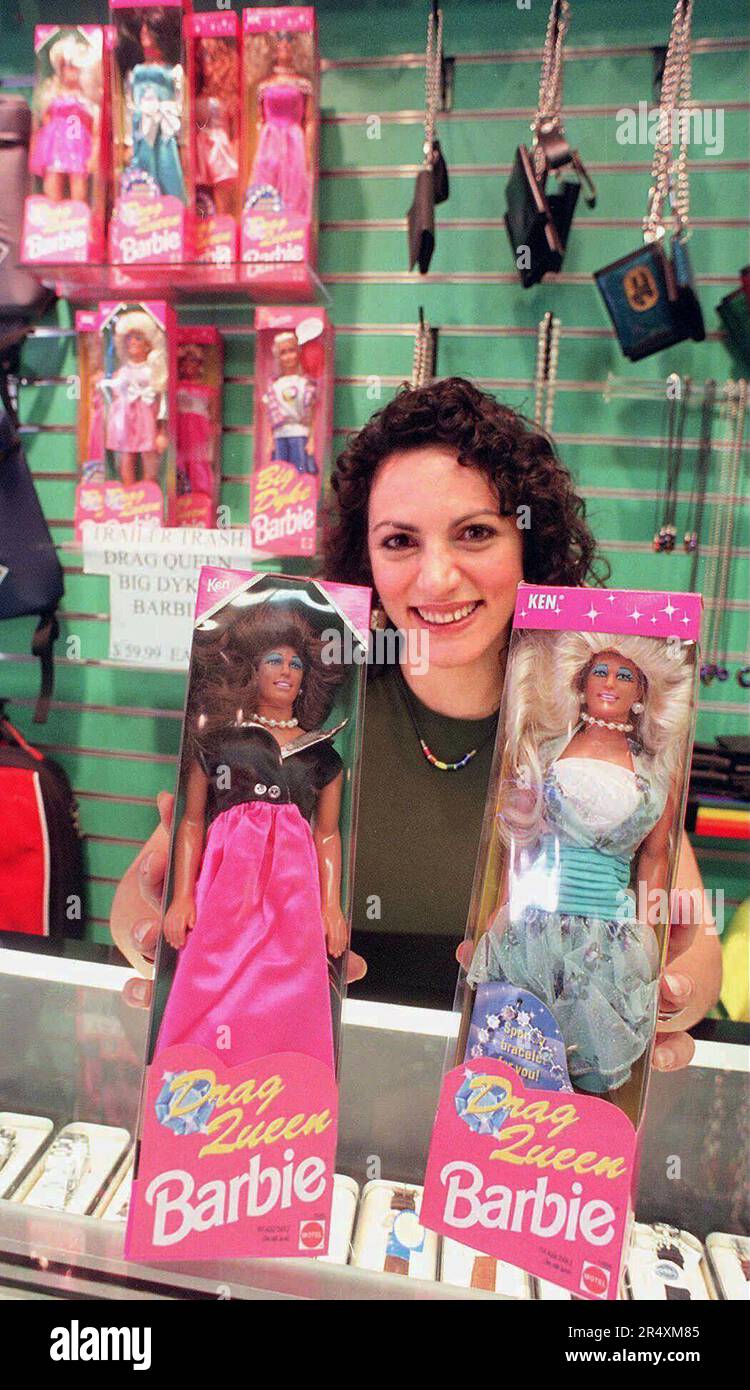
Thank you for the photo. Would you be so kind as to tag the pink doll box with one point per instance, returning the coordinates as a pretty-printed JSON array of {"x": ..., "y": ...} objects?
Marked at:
[
  {"x": 534, "y": 1155},
  {"x": 127, "y": 410},
  {"x": 200, "y": 377},
  {"x": 64, "y": 211},
  {"x": 239, "y": 1102},
  {"x": 152, "y": 176},
  {"x": 292, "y": 428},
  {"x": 281, "y": 133},
  {"x": 214, "y": 65}
]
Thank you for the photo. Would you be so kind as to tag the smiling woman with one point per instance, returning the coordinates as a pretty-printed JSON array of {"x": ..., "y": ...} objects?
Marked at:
[{"x": 444, "y": 502}]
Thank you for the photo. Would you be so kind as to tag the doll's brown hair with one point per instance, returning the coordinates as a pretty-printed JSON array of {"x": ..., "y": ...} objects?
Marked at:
[{"x": 225, "y": 663}]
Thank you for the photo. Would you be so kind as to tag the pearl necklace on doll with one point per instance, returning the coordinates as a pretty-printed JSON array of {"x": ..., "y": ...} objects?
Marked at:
[
  {"x": 275, "y": 723},
  {"x": 606, "y": 724}
]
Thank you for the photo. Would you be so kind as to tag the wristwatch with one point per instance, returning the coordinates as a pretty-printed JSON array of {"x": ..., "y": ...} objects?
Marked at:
[
  {"x": 65, "y": 1163},
  {"x": 484, "y": 1272},
  {"x": 673, "y": 1292},
  {"x": 7, "y": 1145},
  {"x": 405, "y": 1234}
]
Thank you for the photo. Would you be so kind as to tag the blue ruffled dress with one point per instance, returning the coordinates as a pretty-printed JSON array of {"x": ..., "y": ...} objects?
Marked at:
[{"x": 569, "y": 932}]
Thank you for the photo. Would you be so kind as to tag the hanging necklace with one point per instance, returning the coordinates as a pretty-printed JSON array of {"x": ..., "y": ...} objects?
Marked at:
[
  {"x": 702, "y": 468},
  {"x": 426, "y": 751},
  {"x": 665, "y": 537}
]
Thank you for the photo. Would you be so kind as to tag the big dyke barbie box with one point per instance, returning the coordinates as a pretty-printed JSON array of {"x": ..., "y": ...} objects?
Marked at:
[
  {"x": 237, "y": 1135},
  {"x": 534, "y": 1154}
]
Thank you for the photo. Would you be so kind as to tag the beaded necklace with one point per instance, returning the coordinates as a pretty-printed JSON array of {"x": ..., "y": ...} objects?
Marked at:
[{"x": 427, "y": 752}]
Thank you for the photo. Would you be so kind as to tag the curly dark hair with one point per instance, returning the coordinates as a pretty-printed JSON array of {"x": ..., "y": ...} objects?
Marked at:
[
  {"x": 225, "y": 663},
  {"x": 518, "y": 459}
]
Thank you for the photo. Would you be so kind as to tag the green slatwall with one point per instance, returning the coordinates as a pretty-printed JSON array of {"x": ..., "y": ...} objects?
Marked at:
[{"x": 117, "y": 730}]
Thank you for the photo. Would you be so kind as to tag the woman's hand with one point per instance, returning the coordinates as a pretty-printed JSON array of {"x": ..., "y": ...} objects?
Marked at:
[
  {"x": 136, "y": 907},
  {"x": 692, "y": 977},
  {"x": 337, "y": 932},
  {"x": 178, "y": 921}
]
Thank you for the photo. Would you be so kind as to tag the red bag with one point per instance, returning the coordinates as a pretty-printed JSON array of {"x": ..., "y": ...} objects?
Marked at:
[{"x": 41, "y": 865}]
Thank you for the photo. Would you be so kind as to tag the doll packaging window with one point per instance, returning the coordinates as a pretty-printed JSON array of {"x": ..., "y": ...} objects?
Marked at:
[
  {"x": 152, "y": 184},
  {"x": 215, "y": 80},
  {"x": 200, "y": 375},
  {"x": 65, "y": 209},
  {"x": 239, "y": 1105},
  {"x": 293, "y": 424},
  {"x": 534, "y": 1156},
  {"x": 127, "y": 365},
  {"x": 281, "y": 118}
]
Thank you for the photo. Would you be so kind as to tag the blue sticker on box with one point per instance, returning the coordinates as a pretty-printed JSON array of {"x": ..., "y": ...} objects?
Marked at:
[{"x": 512, "y": 1025}]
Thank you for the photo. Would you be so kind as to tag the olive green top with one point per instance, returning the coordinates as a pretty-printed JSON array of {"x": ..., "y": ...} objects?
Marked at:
[{"x": 419, "y": 827}]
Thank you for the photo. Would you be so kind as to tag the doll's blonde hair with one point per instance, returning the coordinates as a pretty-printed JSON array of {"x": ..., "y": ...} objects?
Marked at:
[
  {"x": 543, "y": 701},
  {"x": 138, "y": 321},
  {"x": 72, "y": 48}
]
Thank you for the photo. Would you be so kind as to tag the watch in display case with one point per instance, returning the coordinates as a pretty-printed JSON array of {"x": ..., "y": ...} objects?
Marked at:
[
  {"x": 405, "y": 1233},
  {"x": 7, "y": 1145},
  {"x": 64, "y": 1165}
]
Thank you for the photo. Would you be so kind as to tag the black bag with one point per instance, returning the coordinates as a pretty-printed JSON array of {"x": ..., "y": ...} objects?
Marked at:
[
  {"x": 22, "y": 297},
  {"x": 41, "y": 868},
  {"x": 538, "y": 223},
  {"x": 31, "y": 577},
  {"x": 650, "y": 296},
  {"x": 432, "y": 183}
]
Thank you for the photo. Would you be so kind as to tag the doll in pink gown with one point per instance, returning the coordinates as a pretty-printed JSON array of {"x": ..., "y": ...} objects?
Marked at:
[
  {"x": 256, "y": 885},
  {"x": 282, "y": 157},
  {"x": 62, "y": 148},
  {"x": 196, "y": 421},
  {"x": 135, "y": 395}
]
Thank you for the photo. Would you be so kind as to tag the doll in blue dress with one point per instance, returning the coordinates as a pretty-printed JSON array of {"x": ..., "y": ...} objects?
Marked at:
[{"x": 597, "y": 726}]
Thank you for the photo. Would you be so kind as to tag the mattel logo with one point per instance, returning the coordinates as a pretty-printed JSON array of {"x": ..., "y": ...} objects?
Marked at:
[
  {"x": 594, "y": 1279},
  {"x": 312, "y": 1235}
]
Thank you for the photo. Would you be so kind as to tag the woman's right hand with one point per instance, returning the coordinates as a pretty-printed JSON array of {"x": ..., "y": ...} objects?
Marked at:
[{"x": 179, "y": 920}]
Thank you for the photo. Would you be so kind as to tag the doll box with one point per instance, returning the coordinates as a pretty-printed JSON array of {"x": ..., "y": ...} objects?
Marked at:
[
  {"x": 65, "y": 208},
  {"x": 127, "y": 409},
  {"x": 293, "y": 428},
  {"x": 280, "y": 136},
  {"x": 214, "y": 71},
  {"x": 151, "y": 165},
  {"x": 239, "y": 1101},
  {"x": 534, "y": 1154},
  {"x": 200, "y": 379}
]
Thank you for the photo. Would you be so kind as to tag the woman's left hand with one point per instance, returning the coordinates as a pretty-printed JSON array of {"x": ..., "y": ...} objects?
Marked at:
[{"x": 692, "y": 976}]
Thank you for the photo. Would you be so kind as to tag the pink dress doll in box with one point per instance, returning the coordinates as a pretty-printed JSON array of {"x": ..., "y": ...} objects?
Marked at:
[
  {"x": 197, "y": 421},
  {"x": 281, "y": 168},
  {"x": 135, "y": 395},
  {"x": 216, "y": 110},
  {"x": 63, "y": 145},
  {"x": 256, "y": 891}
]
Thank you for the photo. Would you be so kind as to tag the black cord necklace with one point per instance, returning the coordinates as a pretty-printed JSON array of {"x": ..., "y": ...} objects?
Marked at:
[{"x": 427, "y": 752}]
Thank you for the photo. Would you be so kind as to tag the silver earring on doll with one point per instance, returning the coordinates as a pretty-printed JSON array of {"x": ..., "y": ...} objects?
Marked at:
[{"x": 637, "y": 707}]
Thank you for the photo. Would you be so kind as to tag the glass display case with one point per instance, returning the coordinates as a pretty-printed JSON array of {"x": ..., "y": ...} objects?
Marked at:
[{"x": 71, "y": 1056}]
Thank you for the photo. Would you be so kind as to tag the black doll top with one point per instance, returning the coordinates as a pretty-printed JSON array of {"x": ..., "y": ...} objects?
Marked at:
[{"x": 245, "y": 763}]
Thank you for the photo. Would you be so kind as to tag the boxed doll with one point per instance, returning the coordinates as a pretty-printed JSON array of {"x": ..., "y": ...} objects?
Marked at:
[
  {"x": 293, "y": 424},
  {"x": 200, "y": 376},
  {"x": 215, "y": 72},
  {"x": 280, "y": 135},
  {"x": 238, "y": 1117},
  {"x": 65, "y": 209},
  {"x": 535, "y": 1151},
  {"x": 152, "y": 184},
  {"x": 127, "y": 413}
]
